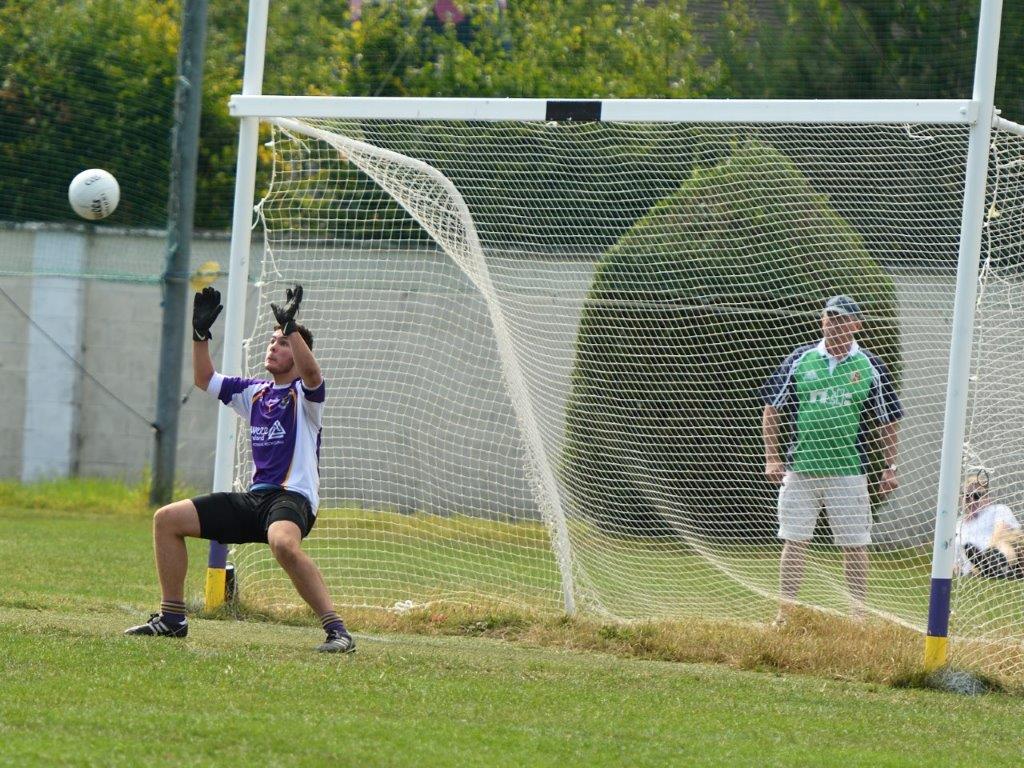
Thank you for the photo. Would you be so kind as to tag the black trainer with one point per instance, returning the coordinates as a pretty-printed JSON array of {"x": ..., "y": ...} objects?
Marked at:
[
  {"x": 160, "y": 628},
  {"x": 338, "y": 641}
]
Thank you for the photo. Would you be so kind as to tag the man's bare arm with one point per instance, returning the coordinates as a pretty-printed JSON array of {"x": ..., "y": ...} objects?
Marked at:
[
  {"x": 890, "y": 441},
  {"x": 774, "y": 468},
  {"x": 889, "y": 434}
]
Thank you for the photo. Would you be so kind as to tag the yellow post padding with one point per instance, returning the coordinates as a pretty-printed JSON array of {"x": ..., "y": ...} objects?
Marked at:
[
  {"x": 935, "y": 652},
  {"x": 216, "y": 579}
]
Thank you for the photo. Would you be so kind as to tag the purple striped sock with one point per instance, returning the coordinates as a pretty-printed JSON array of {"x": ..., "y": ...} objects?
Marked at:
[
  {"x": 331, "y": 622},
  {"x": 172, "y": 611}
]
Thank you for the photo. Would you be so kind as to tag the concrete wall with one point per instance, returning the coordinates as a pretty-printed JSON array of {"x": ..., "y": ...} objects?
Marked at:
[
  {"x": 418, "y": 413},
  {"x": 117, "y": 346},
  {"x": 425, "y": 419},
  {"x": 52, "y": 378},
  {"x": 13, "y": 370}
]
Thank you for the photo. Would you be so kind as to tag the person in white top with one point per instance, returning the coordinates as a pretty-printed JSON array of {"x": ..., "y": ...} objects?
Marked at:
[
  {"x": 284, "y": 414},
  {"x": 989, "y": 539}
]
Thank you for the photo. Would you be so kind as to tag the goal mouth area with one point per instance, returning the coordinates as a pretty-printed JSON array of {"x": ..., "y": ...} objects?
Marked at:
[
  {"x": 375, "y": 201},
  {"x": 726, "y": 111}
]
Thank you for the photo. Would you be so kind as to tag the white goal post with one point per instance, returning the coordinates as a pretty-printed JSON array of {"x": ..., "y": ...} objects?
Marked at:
[{"x": 318, "y": 136}]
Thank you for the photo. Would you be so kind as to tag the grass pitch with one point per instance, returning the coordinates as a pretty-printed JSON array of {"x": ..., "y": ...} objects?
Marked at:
[{"x": 74, "y": 691}]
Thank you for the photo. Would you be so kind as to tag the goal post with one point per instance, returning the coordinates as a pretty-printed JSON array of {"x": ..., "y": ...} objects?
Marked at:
[
  {"x": 238, "y": 284},
  {"x": 954, "y": 426},
  {"x": 599, "y": 316}
]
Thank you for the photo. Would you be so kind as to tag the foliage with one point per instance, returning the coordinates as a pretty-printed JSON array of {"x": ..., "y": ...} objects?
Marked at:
[
  {"x": 683, "y": 322},
  {"x": 90, "y": 83},
  {"x": 85, "y": 85},
  {"x": 538, "y": 173},
  {"x": 568, "y": 48},
  {"x": 863, "y": 49},
  {"x": 68, "y": 103}
]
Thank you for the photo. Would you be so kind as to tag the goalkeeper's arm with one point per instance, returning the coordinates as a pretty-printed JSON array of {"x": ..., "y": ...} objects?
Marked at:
[
  {"x": 206, "y": 307},
  {"x": 305, "y": 363},
  {"x": 202, "y": 364},
  {"x": 302, "y": 354}
]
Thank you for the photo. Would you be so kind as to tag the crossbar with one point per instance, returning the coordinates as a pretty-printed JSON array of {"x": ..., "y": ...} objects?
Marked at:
[{"x": 822, "y": 111}]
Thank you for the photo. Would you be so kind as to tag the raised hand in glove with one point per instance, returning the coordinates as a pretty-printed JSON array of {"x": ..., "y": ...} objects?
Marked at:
[
  {"x": 285, "y": 315},
  {"x": 206, "y": 307}
]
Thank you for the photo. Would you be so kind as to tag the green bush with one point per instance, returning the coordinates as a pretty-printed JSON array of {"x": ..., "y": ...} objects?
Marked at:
[{"x": 689, "y": 312}]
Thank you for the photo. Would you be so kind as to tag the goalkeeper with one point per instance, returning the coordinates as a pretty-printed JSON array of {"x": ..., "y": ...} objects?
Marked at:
[
  {"x": 279, "y": 509},
  {"x": 989, "y": 540},
  {"x": 833, "y": 393}
]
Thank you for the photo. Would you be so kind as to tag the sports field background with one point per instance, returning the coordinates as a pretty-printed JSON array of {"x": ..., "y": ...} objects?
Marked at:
[{"x": 74, "y": 691}]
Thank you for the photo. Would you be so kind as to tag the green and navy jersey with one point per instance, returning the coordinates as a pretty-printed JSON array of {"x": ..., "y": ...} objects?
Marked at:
[{"x": 832, "y": 404}]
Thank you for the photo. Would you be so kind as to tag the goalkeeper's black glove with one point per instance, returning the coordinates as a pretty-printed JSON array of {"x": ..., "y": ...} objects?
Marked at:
[
  {"x": 206, "y": 307},
  {"x": 285, "y": 315}
]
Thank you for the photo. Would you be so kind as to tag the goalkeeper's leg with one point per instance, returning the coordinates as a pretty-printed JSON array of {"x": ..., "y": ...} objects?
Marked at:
[
  {"x": 285, "y": 538},
  {"x": 171, "y": 524}
]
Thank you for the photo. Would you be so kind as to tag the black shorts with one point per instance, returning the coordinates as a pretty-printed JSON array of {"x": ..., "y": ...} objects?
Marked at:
[{"x": 240, "y": 518}]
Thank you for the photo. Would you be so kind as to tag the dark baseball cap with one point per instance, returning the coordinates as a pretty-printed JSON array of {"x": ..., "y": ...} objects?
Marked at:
[{"x": 843, "y": 305}]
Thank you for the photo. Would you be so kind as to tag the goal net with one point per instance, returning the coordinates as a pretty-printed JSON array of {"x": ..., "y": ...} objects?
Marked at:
[{"x": 544, "y": 343}]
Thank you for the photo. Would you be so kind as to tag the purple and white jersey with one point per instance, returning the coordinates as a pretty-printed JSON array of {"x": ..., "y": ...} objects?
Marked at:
[{"x": 284, "y": 426}]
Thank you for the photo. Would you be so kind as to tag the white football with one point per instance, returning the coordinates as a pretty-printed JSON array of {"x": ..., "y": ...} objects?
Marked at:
[{"x": 94, "y": 194}]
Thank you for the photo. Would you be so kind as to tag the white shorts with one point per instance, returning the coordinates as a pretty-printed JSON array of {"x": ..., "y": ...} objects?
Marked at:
[{"x": 845, "y": 500}]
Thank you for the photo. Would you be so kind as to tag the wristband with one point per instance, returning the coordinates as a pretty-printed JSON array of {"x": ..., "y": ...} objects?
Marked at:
[{"x": 197, "y": 336}]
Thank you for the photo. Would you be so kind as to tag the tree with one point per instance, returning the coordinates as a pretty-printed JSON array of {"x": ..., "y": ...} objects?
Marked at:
[
  {"x": 688, "y": 313},
  {"x": 90, "y": 83},
  {"x": 863, "y": 49},
  {"x": 69, "y": 102}
]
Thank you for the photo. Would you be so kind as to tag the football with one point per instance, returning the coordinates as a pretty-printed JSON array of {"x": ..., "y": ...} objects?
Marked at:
[{"x": 94, "y": 194}]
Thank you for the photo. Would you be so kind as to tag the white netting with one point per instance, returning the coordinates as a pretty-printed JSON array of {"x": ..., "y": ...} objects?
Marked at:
[
  {"x": 992, "y": 610},
  {"x": 543, "y": 345}
]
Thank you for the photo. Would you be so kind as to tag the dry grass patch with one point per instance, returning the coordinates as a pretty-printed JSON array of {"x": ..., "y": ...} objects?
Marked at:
[{"x": 811, "y": 643}]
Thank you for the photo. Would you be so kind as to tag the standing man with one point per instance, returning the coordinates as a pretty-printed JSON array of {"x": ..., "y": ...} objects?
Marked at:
[
  {"x": 285, "y": 416},
  {"x": 833, "y": 393}
]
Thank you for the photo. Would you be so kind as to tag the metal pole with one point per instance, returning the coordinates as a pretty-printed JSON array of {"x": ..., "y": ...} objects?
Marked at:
[
  {"x": 181, "y": 200},
  {"x": 238, "y": 279},
  {"x": 943, "y": 555}
]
